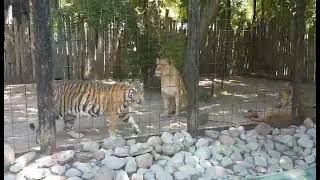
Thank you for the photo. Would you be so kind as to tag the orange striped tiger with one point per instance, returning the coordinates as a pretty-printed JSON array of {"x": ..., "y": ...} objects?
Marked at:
[{"x": 97, "y": 99}]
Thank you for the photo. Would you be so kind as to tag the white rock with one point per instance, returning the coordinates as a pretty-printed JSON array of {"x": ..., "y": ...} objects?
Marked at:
[
  {"x": 9, "y": 157},
  {"x": 121, "y": 151},
  {"x": 312, "y": 132},
  {"x": 35, "y": 173},
  {"x": 212, "y": 134},
  {"x": 54, "y": 177},
  {"x": 154, "y": 140},
  {"x": 136, "y": 176},
  {"x": 263, "y": 129},
  {"x": 46, "y": 161},
  {"x": 269, "y": 145},
  {"x": 167, "y": 138},
  {"x": 158, "y": 148},
  {"x": 144, "y": 160},
  {"x": 286, "y": 139},
  {"x": 131, "y": 142},
  {"x": 162, "y": 175},
  {"x": 203, "y": 153},
  {"x": 191, "y": 160},
  {"x": 84, "y": 167},
  {"x": 22, "y": 161},
  {"x": 280, "y": 147},
  {"x": 236, "y": 156},
  {"x": 9, "y": 177},
  {"x": 260, "y": 161},
  {"x": 104, "y": 173},
  {"x": 310, "y": 159},
  {"x": 243, "y": 148},
  {"x": 90, "y": 146},
  {"x": 139, "y": 148},
  {"x": 131, "y": 165},
  {"x": 289, "y": 131},
  {"x": 275, "y": 131},
  {"x": 170, "y": 149},
  {"x": 149, "y": 175},
  {"x": 142, "y": 171},
  {"x": 113, "y": 142},
  {"x": 234, "y": 132},
  {"x": 238, "y": 168},
  {"x": 58, "y": 169},
  {"x": 99, "y": 155},
  {"x": 253, "y": 146},
  {"x": 121, "y": 175},
  {"x": 73, "y": 172},
  {"x": 169, "y": 169},
  {"x": 308, "y": 123},
  {"x": 226, "y": 140},
  {"x": 64, "y": 157},
  {"x": 202, "y": 142},
  {"x": 205, "y": 163},
  {"x": 178, "y": 138},
  {"x": 188, "y": 140},
  {"x": 214, "y": 172},
  {"x": 113, "y": 162},
  {"x": 286, "y": 163},
  {"x": 226, "y": 161},
  {"x": 188, "y": 170},
  {"x": 156, "y": 168},
  {"x": 274, "y": 154},
  {"x": 305, "y": 141},
  {"x": 74, "y": 178},
  {"x": 178, "y": 158},
  {"x": 226, "y": 150}
]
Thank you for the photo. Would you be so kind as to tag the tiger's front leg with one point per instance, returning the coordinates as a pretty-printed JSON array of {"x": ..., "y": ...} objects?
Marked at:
[
  {"x": 135, "y": 126},
  {"x": 113, "y": 124},
  {"x": 69, "y": 126}
]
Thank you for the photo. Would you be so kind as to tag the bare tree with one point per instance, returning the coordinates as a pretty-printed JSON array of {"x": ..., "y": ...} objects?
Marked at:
[
  {"x": 299, "y": 32},
  {"x": 43, "y": 57},
  {"x": 191, "y": 70}
]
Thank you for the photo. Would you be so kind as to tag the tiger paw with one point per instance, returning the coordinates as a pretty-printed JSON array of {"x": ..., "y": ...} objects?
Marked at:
[{"x": 75, "y": 135}]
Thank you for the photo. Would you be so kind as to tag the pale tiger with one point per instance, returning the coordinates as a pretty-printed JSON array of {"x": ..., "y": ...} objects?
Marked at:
[{"x": 97, "y": 99}]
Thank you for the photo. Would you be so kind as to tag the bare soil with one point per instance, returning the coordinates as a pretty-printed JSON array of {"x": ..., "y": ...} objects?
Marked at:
[{"x": 225, "y": 108}]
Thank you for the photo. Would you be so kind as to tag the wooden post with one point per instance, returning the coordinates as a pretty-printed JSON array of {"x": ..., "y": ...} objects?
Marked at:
[
  {"x": 191, "y": 69},
  {"x": 44, "y": 72}
]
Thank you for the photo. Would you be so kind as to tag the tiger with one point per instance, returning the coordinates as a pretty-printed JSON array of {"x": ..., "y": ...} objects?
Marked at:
[
  {"x": 173, "y": 90},
  {"x": 278, "y": 118},
  {"x": 96, "y": 99}
]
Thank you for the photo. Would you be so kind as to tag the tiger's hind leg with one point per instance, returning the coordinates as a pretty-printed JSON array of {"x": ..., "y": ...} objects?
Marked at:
[{"x": 69, "y": 120}]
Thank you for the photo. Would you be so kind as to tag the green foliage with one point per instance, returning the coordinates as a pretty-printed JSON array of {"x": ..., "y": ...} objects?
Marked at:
[{"x": 173, "y": 48}]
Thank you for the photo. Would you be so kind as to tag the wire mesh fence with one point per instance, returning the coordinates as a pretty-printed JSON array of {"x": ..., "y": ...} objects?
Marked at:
[{"x": 124, "y": 45}]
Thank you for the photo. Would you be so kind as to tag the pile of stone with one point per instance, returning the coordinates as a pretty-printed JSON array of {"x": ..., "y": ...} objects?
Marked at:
[{"x": 232, "y": 154}]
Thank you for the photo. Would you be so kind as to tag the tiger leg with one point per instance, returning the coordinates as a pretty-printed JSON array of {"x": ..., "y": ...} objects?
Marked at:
[
  {"x": 177, "y": 98},
  {"x": 113, "y": 124},
  {"x": 166, "y": 105},
  {"x": 69, "y": 120},
  {"x": 133, "y": 123}
]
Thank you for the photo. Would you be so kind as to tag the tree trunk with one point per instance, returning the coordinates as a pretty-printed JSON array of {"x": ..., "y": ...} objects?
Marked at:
[
  {"x": 44, "y": 72},
  {"x": 299, "y": 32},
  {"x": 191, "y": 69},
  {"x": 100, "y": 59},
  {"x": 32, "y": 43},
  {"x": 17, "y": 63},
  {"x": 70, "y": 54}
]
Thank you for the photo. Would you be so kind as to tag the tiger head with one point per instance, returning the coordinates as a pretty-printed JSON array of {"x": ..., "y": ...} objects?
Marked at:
[{"x": 135, "y": 92}]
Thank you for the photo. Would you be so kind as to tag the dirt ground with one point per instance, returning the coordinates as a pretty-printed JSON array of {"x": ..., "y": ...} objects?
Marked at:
[{"x": 226, "y": 107}]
